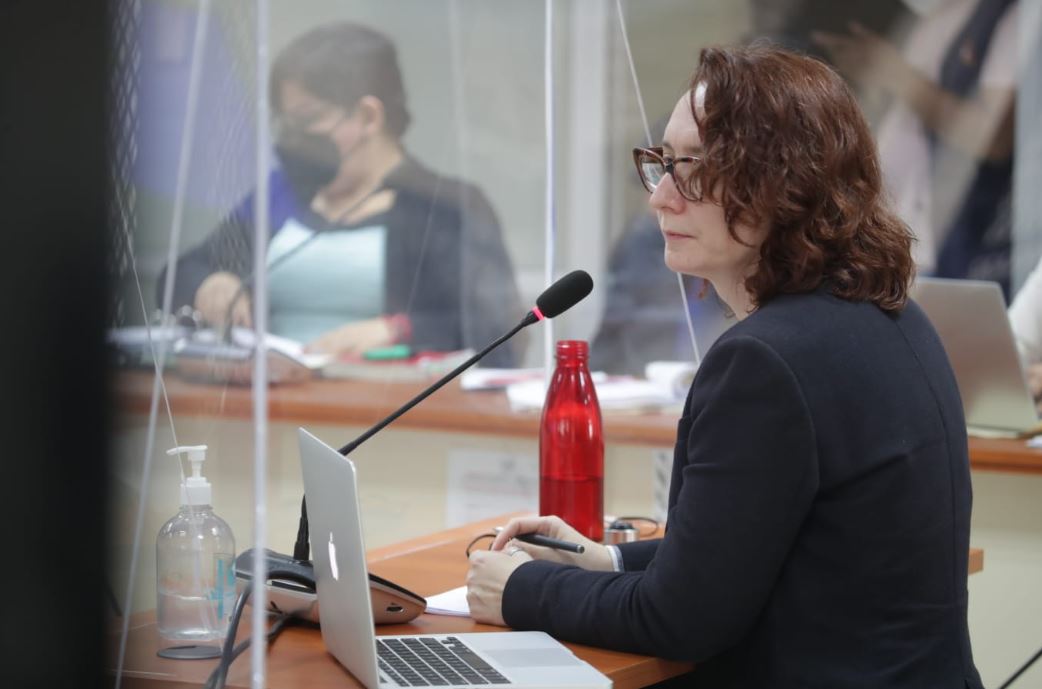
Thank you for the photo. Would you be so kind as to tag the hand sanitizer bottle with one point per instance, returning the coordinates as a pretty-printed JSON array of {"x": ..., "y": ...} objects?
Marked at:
[{"x": 195, "y": 563}]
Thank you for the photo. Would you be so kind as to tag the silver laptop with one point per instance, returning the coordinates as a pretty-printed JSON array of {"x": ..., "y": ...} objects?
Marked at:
[
  {"x": 512, "y": 659},
  {"x": 970, "y": 317}
]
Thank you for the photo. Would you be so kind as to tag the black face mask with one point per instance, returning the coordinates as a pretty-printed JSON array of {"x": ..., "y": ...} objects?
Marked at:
[{"x": 309, "y": 161}]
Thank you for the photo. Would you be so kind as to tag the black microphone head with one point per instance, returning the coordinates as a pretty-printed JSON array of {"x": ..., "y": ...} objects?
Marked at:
[{"x": 564, "y": 294}]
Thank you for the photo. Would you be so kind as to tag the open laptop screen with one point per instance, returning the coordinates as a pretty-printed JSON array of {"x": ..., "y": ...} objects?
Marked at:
[{"x": 970, "y": 318}]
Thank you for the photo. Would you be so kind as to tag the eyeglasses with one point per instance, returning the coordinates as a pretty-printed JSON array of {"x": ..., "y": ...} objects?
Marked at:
[
  {"x": 652, "y": 165},
  {"x": 324, "y": 121}
]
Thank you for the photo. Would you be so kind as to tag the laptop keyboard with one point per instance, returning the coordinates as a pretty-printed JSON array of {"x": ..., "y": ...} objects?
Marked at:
[{"x": 434, "y": 662}]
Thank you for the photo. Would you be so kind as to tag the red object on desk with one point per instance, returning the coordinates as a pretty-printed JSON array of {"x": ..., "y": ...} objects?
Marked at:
[{"x": 571, "y": 445}]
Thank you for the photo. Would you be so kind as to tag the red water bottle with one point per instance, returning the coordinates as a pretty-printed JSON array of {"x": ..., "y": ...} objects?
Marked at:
[{"x": 571, "y": 444}]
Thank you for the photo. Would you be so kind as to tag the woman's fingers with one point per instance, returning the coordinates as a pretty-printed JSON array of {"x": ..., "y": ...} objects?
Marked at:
[{"x": 520, "y": 525}]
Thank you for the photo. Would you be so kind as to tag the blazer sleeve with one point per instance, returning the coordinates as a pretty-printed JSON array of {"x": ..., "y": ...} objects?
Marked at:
[
  {"x": 230, "y": 246},
  {"x": 637, "y": 555},
  {"x": 749, "y": 479}
]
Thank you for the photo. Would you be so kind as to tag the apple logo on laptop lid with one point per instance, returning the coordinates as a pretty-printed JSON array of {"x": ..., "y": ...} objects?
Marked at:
[{"x": 332, "y": 558}]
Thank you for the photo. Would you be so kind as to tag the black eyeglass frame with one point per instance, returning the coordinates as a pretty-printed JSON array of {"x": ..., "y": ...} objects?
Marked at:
[
  {"x": 282, "y": 125},
  {"x": 669, "y": 165}
]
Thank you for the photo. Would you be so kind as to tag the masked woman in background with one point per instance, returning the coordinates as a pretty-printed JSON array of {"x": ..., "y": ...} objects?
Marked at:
[
  {"x": 819, "y": 505},
  {"x": 368, "y": 248}
]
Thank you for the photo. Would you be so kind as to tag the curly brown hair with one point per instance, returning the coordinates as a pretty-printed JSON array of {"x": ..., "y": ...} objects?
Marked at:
[{"x": 787, "y": 146}]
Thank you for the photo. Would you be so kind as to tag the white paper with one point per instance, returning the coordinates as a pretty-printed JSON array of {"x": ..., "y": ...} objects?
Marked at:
[
  {"x": 615, "y": 393},
  {"x": 137, "y": 335},
  {"x": 497, "y": 378},
  {"x": 453, "y": 602},
  {"x": 291, "y": 348},
  {"x": 674, "y": 376}
]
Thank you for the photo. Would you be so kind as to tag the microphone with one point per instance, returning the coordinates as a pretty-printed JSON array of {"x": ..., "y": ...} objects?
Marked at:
[{"x": 565, "y": 293}]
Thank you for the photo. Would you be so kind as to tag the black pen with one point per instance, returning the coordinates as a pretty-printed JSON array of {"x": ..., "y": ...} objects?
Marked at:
[{"x": 540, "y": 539}]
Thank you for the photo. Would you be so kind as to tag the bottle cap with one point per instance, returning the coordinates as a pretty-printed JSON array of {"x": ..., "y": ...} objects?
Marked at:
[
  {"x": 572, "y": 349},
  {"x": 196, "y": 489}
]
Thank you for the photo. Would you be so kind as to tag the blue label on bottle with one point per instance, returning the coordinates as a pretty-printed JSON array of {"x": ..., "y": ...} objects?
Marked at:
[{"x": 224, "y": 583}]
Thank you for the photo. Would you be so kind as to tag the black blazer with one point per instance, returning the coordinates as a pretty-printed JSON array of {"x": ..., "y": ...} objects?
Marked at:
[{"x": 819, "y": 515}]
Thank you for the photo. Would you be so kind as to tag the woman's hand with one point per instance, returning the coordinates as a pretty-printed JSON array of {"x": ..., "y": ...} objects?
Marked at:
[
  {"x": 490, "y": 569},
  {"x": 486, "y": 580},
  {"x": 1034, "y": 376},
  {"x": 355, "y": 338},
  {"x": 595, "y": 557},
  {"x": 214, "y": 296}
]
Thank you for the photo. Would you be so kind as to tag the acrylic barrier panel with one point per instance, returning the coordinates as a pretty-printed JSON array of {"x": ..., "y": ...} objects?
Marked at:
[
  {"x": 183, "y": 138},
  {"x": 404, "y": 203}
]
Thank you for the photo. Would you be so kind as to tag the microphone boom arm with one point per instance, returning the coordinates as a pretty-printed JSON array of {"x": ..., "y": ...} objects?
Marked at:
[
  {"x": 529, "y": 319},
  {"x": 301, "y": 549},
  {"x": 565, "y": 293}
]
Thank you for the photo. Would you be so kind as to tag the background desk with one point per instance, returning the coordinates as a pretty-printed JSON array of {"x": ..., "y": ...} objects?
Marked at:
[
  {"x": 424, "y": 473},
  {"x": 362, "y": 403},
  {"x": 427, "y": 565}
]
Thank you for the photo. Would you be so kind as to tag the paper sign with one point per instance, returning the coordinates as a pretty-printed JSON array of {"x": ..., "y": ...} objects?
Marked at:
[{"x": 482, "y": 484}]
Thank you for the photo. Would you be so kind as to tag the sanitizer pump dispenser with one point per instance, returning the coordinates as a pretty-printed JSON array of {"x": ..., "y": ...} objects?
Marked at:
[{"x": 195, "y": 563}]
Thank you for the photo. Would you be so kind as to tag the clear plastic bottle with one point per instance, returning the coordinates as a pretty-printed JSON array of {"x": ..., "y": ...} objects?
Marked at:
[
  {"x": 195, "y": 563},
  {"x": 571, "y": 444}
]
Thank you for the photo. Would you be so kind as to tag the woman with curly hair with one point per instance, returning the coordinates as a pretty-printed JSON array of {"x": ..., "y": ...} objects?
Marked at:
[{"x": 819, "y": 510}]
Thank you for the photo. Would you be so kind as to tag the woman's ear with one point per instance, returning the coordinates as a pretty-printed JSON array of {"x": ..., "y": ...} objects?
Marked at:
[{"x": 370, "y": 111}]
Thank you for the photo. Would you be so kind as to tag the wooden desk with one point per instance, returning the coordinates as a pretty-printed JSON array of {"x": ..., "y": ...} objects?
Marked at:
[
  {"x": 1005, "y": 454},
  {"x": 361, "y": 403},
  {"x": 427, "y": 565}
]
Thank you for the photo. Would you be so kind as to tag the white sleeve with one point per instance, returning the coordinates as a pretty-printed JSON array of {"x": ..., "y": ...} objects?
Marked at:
[
  {"x": 616, "y": 558},
  {"x": 1025, "y": 317},
  {"x": 999, "y": 70}
]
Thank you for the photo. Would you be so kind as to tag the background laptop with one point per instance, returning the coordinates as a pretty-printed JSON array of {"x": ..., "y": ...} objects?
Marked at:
[
  {"x": 513, "y": 659},
  {"x": 970, "y": 317}
]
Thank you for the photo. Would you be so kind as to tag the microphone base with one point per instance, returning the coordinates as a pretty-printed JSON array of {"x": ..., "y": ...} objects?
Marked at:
[{"x": 292, "y": 588}]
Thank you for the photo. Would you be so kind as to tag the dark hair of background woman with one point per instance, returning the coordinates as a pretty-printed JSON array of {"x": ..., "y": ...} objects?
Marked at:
[
  {"x": 340, "y": 63},
  {"x": 786, "y": 143}
]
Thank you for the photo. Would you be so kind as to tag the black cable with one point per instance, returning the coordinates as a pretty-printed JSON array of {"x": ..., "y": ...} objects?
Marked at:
[
  {"x": 220, "y": 672},
  {"x": 301, "y": 549},
  {"x": 1023, "y": 669},
  {"x": 491, "y": 534},
  {"x": 229, "y": 651},
  {"x": 213, "y": 682}
]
